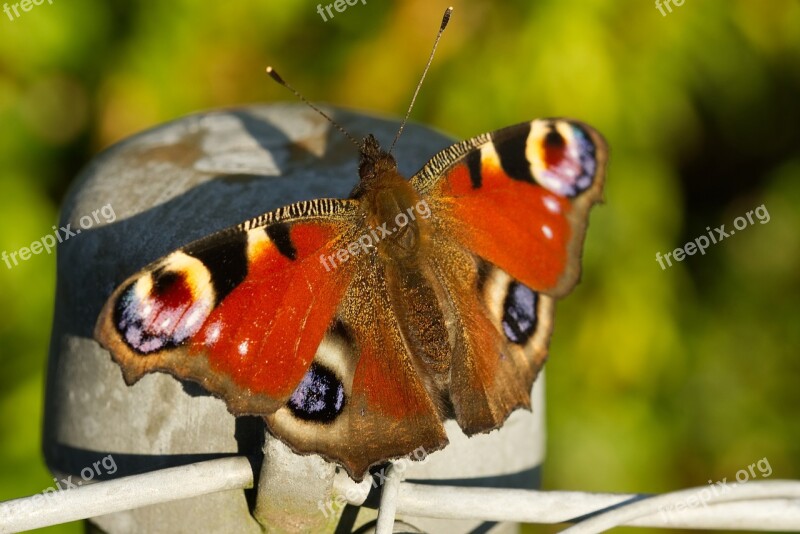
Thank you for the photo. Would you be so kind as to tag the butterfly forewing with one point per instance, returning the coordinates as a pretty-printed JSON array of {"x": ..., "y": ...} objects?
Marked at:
[
  {"x": 519, "y": 197},
  {"x": 233, "y": 311}
]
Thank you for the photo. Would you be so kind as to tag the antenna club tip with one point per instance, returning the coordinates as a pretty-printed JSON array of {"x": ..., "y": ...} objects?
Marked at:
[
  {"x": 446, "y": 16},
  {"x": 274, "y": 75}
]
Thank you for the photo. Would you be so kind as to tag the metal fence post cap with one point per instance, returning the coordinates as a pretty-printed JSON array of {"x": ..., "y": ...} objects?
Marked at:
[{"x": 166, "y": 187}]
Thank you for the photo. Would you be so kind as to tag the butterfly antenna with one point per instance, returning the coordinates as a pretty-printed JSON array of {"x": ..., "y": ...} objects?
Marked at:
[
  {"x": 277, "y": 77},
  {"x": 445, "y": 20}
]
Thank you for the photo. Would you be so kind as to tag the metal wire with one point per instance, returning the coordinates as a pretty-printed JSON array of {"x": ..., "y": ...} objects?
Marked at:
[
  {"x": 388, "y": 508},
  {"x": 126, "y": 493},
  {"x": 552, "y": 507},
  {"x": 764, "y": 489},
  {"x": 757, "y": 505}
]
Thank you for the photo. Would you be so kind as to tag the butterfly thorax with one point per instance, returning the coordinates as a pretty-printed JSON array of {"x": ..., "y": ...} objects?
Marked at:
[{"x": 391, "y": 207}]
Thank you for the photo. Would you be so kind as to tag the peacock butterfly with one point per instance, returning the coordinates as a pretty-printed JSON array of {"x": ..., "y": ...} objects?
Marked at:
[{"x": 355, "y": 327}]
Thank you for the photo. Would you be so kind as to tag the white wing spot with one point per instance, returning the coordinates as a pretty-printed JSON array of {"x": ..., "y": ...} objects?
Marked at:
[
  {"x": 243, "y": 347},
  {"x": 548, "y": 233},
  {"x": 552, "y": 204},
  {"x": 213, "y": 334}
]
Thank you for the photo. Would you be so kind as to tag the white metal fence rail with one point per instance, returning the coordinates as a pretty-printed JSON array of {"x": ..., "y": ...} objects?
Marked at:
[{"x": 759, "y": 505}]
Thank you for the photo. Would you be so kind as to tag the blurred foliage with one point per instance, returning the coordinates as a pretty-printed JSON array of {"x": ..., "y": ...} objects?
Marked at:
[{"x": 658, "y": 379}]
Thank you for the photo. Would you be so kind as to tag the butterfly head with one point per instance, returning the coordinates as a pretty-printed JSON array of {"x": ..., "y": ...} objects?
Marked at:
[{"x": 375, "y": 166}]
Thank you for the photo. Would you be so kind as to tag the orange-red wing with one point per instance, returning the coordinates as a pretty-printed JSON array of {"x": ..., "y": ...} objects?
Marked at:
[
  {"x": 520, "y": 197},
  {"x": 364, "y": 399},
  {"x": 241, "y": 312}
]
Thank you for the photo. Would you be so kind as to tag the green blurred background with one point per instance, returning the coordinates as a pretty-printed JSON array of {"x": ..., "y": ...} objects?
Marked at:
[{"x": 658, "y": 379}]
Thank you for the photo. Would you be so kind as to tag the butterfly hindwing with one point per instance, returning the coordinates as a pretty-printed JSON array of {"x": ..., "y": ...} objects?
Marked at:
[
  {"x": 501, "y": 329},
  {"x": 497, "y": 379},
  {"x": 382, "y": 407}
]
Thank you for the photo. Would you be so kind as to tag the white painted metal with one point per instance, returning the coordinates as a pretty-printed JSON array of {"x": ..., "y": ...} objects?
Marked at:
[
  {"x": 781, "y": 512},
  {"x": 125, "y": 493},
  {"x": 388, "y": 509},
  {"x": 763, "y": 489},
  {"x": 758, "y": 505}
]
